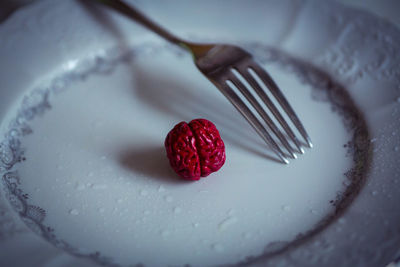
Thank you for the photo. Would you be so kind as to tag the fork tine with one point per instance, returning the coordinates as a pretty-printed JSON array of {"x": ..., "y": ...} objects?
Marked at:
[
  {"x": 269, "y": 82},
  {"x": 254, "y": 122},
  {"x": 252, "y": 100},
  {"x": 267, "y": 101}
]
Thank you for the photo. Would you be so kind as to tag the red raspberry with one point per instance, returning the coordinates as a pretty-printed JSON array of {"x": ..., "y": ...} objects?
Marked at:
[{"x": 195, "y": 149}]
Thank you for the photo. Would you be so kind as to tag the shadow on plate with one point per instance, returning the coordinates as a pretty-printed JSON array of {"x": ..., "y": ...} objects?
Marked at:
[
  {"x": 149, "y": 162},
  {"x": 181, "y": 99},
  {"x": 176, "y": 97}
]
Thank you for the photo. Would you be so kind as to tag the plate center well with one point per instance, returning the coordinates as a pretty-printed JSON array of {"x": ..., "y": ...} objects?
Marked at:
[{"x": 95, "y": 163}]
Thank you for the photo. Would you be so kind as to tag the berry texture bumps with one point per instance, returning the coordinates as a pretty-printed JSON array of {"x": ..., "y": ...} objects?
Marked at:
[{"x": 195, "y": 149}]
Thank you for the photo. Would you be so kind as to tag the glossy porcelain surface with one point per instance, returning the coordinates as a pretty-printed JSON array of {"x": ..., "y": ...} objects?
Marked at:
[{"x": 88, "y": 98}]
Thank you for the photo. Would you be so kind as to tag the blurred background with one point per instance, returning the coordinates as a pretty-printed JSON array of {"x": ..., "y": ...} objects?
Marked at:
[{"x": 388, "y": 9}]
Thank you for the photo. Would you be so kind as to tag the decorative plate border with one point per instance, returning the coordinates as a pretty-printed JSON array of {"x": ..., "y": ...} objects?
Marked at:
[{"x": 38, "y": 101}]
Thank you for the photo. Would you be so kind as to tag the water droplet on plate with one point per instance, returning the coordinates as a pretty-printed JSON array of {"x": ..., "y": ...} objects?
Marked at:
[
  {"x": 217, "y": 247},
  {"x": 347, "y": 182},
  {"x": 247, "y": 235},
  {"x": 286, "y": 208},
  {"x": 177, "y": 210},
  {"x": 196, "y": 225},
  {"x": 374, "y": 193},
  {"x": 98, "y": 186},
  {"x": 165, "y": 233},
  {"x": 146, "y": 212},
  {"x": 161, "y": 189},
  {"x": 74, "y": 212},
  {"x": 231, "y": 212},
  {"x": 80, "y": 186},
  {"x": 226, "y": 222},
  {"x": 313, "y": 211}
]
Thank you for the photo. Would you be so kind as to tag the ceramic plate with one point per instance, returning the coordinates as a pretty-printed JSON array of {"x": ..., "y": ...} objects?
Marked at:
[{"x": 90, "y": 96}]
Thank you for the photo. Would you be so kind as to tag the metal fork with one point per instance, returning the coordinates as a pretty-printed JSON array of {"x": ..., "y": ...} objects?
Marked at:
[{"x": 223, "y": 64}]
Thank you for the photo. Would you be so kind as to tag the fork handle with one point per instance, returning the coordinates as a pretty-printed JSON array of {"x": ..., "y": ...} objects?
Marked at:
[
  {"x": 197, "y": 50},
  {"x": 136, "y": 15}
]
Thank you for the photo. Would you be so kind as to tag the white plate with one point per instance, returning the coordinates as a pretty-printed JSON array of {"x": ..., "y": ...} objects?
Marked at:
[{"x": 85, "y": 143}]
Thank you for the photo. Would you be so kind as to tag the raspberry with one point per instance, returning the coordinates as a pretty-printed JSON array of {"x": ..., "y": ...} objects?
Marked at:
[{"x": 195, "y": 149}]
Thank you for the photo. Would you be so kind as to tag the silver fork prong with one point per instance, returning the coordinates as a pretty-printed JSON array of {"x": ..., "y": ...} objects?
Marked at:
[
  {"x": 249, "y": 116},
  {"x": 269, "y": 82},
  {"x": 267, "y": 101},
  {"x": 256, "y": 105}
]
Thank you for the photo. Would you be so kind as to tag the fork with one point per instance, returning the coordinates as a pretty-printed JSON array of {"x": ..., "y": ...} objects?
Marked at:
[{"x": 227, "y": 67}]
